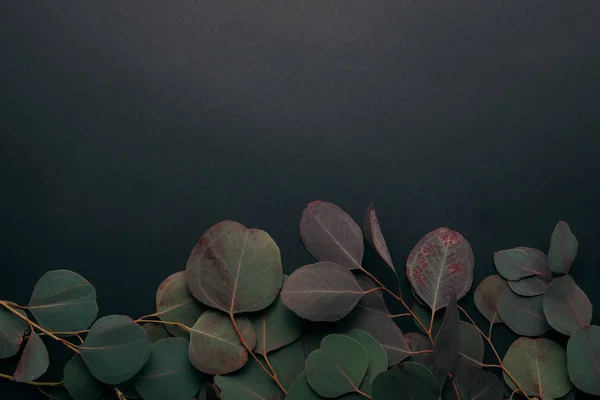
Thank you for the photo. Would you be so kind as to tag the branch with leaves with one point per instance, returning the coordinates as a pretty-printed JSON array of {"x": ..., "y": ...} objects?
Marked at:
[{"x": 233, "y": 326}]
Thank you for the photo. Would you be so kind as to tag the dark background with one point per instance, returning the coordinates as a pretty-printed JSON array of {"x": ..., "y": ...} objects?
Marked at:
[{"x": 128, "y": 128}]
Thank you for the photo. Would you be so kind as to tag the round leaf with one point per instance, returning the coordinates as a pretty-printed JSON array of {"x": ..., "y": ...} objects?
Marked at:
[
  {"x": 408, "y": 381},
  {"x": 375, "y": 237},
  {"x": 248, "y": 383},
  {"x": 174, "y": 303},
  {"x": 378, "y": 361},
  {"x": 338, "y": 367},
  {"x": 531, "y": 286},
  {"x": 566, "y": 306},
  {"x": 63, "y": 301},
  {"x": 563, "y": 248},
  {"x": 524, "y": 315},
  {"x": 440, "y": 264},
  {"x": 80, "y": 383},
  {"x": 301, "y": 390},
  {"x": 521, "y": 262},
  {"x": 215, "y": 347},
  {"x": 168, "y": 372},
  {"x": 321, "y": 292},
  {"x": 540, "y": 367},
  {"x": 330, "y": 234},
  {"x": 156, "y": 332},
  {"x": 34, "y": 360},
  {"x": 583, "y": 355},
  {"x": 235, "y": 269},
  {"x": 115, "y": 349},
  {"x": 487, "y": 296},
  {"x": 12, "y": 329}
]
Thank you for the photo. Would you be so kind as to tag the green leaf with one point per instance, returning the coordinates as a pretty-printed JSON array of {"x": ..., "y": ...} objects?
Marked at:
[
  {"x": 276, "y": 326},
  {"x": 514, "y": 264},
  {"x": 563, "y": 248},
  {"x": 424, "y": 315},
  {"x": 330, "y": 234},
  {"x": 440, "y": 264},
  {"x": 63, "y": 301},
  {"x": 531, "y": 286},
  {"x": 156, "y": 332},
  {"x": 473, "y": 383},
  {"x": 288, "y": 362},
  {"x": 523, "y": 315},
  {"x": 168, "y": 372},
  {"x": 418, "y": 342},
  {"x": 375, "y": 237},
  {"x": 583, "y": 355},
  {"x": 470, "y": 343},
  {"x": 174, "y": 303},
  {"x": 215, "y": 347},
  {"x": 321, "y": 292},
  {"x": 248, "y": 383},
  {"x": 128, "y": 389},
  {"x": 487, "y": 296},
  {"x": 540, "y": 367},
  {"x": 445, "y": 349},
  {"x": 566, "y": 306},
  {"x": 407, "y": 381},
  {"x": 34, "y": 360},
  {"x": 235, "y": 269},
  {"x": 338, "y": 367},
  {"x": 378, "y": 361},
  {"x": 301, "y": 390},
  {"x": 115, "y": 349},
  {"x": 80, "y": 383},
  {"x": 12, "y": 330}
]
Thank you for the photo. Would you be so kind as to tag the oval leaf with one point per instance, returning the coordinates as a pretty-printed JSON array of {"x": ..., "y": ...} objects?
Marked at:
[
  {"x": 375, "y": 237},
  {"x": 215, "y": 347},
  {"x": 168, "y": 374},
  {"x": 12, "y": 329},
  {"x": 487, "y": 296},
  {"x": 174, "y": 303},
  {"x": 566, "y": 306},
  {"x": 563, "y": 248},
  {"x": 378, "y": 361},
  {"x": 321, "y": 292},
  {"x": 440, "y": 264},
  {"x": 63, "y": 301},
  {"x": 445, "y": 348},
  {"x": 80, "y": 383},
  {"x": 248, "y": 383},
  {"x": 531, "y": 286},
  {"x": 301, "y": 390},
  {"x": 235, "y": 269},
  {"x": 523, "y": 315},
  {"x": 288, "y": 362},
  {"x": 408, "y": 381},
  {"x": 583, "y": 357},
  {"x": 540, "y": 367},
  {"x": 34, "y": 360},
  {"x": 515, "y": 264},
  {"x": 373, "y": 301},
  {"x": 330, "y": 234},
  {"x": 115, "y": 349},
  {"x": 338, "y": 367}
]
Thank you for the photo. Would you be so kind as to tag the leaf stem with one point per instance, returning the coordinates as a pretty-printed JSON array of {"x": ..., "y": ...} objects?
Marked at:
[
  {"x": 399, "y": 315},
  {"x": 51, "y": 384}
]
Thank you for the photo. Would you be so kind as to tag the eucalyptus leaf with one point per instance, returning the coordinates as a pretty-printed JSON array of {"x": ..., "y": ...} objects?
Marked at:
[
  {"x": 174, "y": 303},
  {"x": 301, "y": 390},
  {"x": 80, "y": 383},
  {"x": 407, "y": 381},
  {"x": 288, "y": 362},
  {"x": 374, "y": 236},
  {"x": 418, "y": 343},
  {"x": 563, "y": 248},
  {"x": 487, "y": 296},
  {"x": 378, "y": 361},
  {"x": 34, "y": 360},
  {"x": 12, "y": 330},
  {"x": 156, "y": 332},
  {"x": 470, "y": 344},
  {"x": 473, "y": 383},
  {"x": 566, "y": 306},
  {"x": 250, "y": 382},
  {"x": 583, "y": 357},
  {"x": 523, "y": 315},
  {"x": 445, "y": 349},
  {"x": 531, "y": 286},
  {"x": 424, "y": 315},
  {"x": 372, "y": 301}
]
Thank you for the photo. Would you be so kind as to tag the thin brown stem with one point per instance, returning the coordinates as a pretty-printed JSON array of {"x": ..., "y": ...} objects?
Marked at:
[
  {"x": 492, "y": 325},
  {"x": 400, "y": 315},
  {"x": 50, "y": 384},
  {"x": 414, "y": 353},
  {"x": 120, "y": 394},
  {"x": 454, "y": 387},
  {"x": 154, "y": 321},
  {"x": 363, "y": 393}
]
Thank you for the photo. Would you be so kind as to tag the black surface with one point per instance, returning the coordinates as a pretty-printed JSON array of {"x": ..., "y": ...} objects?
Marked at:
[{"x": 128, "y": 128}]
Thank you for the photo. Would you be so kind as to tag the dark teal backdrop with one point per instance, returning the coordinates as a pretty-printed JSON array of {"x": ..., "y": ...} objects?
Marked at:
[{"x": 128, "y": 128}]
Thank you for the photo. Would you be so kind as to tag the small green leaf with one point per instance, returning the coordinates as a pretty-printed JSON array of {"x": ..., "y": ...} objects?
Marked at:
[
  {"x": 566, "y": 306},
  {"x": 523, "y": 315},
  {"x": 80, "y": 383},
  {"x": 407, "y": 381},
  {"x": 378, "y": 361},
  {"x": 563, "y": 248},
  {"x": 250, "y": 382},
  {"x": 168, "y": 372},
  {"x": 115, "y": 349},
  {"x": 175, "y": 303},
  {"x": 63, "y": 301},
  {"x": 12, "y": 330},
  {"x": 156, "y": 332},
  {"x": 445, "y": 349},
  {"x": 34, "y": 360},
  {"x": 338, "y": 367},
  {"x": 583, "y": 355},
  {"x": 487, "y": 296},
  {"x": 301, "y": 390}
]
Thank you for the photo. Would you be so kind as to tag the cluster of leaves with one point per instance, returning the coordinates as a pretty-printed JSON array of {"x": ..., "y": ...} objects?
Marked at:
[{"x": 232, "y": 325}]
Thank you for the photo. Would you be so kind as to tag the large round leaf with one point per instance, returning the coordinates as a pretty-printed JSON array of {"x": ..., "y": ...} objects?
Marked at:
[
  {"x": 174, "y": 303},
  {"x": 487, "y": 295},
  {"x": 563, "y": 248},
  {"x": 115, "y": 349},
  {"x": 34, "y": 360},
  {"x": 235, "y": 269},
  {"x": 321, "y": 292},
  {"x": 375, "y": 237},
  {"x": 248, "y": 383},
  {"x": 80, "y": 383},
  {"x": 338, "y": 367},
  {"x": 540, "y": 367},
  {"x": 301, "y": 390},
  {"x": 330, "y": 234},
  {"x": 524, "y": 315},
  {"x": 378, "y": 361},
  {"x": 583, "y": 354},
  {"x": 566, "y": 306},
  {"x": 12, "y": 329},
  {"x": 63, "y": 301},
  {"x": 215, "y": 346},
  {"x": 440, "y": 264},
  {"x": 407, "y": 381},
  {"x": 168, "y": 374}
]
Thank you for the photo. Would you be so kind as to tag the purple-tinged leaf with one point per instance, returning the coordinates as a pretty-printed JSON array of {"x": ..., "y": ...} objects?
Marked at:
[
  {"x": 445, "y": 349},
  {"x": 487, "y": 295},
  {"x": 408, "y": 381},
  {"x": 441, "y": 264},
  {"x": 531, "y": 286},
  {"x": 566, "y": 306},
  {"x": 470, "y": 344},
  {"x": 583, "y": 359},
  {"x": 321, "y": 292},
  {"x": 424, "y": 315},
  {"x": 175, "y": 303},
  {"x": 563, "y": 248},
  {"x": 375, "y": 237},
  {"x": 34, "y": 360},
  {"x": 473, "y": 383},
  {"x": 12, "y": 330},
  {"x": 523, "y": 315},
  {"x": 518, "y": 263},
  {"x": 330, "y": 234},
  {"x": 417, "y": 342},
  {"x": 373, "y": 301}
]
